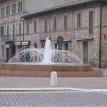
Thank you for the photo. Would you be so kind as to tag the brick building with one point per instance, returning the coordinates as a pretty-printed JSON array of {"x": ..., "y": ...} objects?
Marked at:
[{"x": 81, "y": 23}]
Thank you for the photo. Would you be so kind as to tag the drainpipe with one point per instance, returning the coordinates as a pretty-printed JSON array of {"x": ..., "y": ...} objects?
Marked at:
[{"x": 100, "y": 51}]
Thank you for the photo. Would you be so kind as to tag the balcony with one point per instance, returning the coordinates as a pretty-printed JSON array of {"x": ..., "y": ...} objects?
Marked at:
[
  {"x": 1, "y": 1},
  {"x": 80, "y": 38},
  {"x": 6, "y": 38}
]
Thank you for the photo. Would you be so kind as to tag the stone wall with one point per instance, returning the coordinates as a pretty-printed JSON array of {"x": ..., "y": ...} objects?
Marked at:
[
  {"x": 9, "y": 20},
  {"x": 104, "y": 37},
  {"x": 72, "y": 33}
]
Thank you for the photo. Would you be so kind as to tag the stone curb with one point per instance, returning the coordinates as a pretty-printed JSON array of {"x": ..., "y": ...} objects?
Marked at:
[{"x": 53, "y": 89}]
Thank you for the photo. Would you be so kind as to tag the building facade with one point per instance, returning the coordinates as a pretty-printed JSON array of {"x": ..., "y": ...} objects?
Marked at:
[
  {"x": 10, "y": 18},
  {"x": 12, "y": 24},
  {"x": 82, "y": 24}
]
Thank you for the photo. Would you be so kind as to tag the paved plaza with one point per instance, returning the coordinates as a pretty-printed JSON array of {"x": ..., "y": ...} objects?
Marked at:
[
  {"x": 41, "y": 82},
  {"x": 53, "y": 99},
  {"x": 37, "y": 92}
]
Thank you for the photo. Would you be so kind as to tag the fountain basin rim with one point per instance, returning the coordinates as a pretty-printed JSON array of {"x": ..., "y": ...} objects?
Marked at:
[
  {"x": 44, "y": 70},
  {"x": 56, "y": 64}
]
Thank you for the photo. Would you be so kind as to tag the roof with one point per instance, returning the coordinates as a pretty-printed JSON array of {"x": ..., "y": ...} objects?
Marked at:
[{"x": 74, "y": 3}]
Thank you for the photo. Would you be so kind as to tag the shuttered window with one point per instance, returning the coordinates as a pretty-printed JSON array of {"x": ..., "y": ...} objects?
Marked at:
[
  {"x": 65, "y": 22},
  {"x": 20, "y": 28},
  {"x": 7, "y": 10},
  {"x": 19, "y": 6},
  {"x": 2, "y": 11},
  {"x": 27, "y": 28},
  {"x": 54, "y": 24},
  {"x": 7, "y": 30},
  {"x": 35, "y": 26},
  {"x": 78, "y": 20},
  {"x": 45, "y": 27},
  {"x": 2, "y": 30},
  {"x": 91, "y": 22},
  {"x": 13, "y": 31},
  {"x": 13, "y": 8}
]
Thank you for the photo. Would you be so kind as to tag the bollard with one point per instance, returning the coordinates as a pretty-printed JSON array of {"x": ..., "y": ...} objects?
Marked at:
[{"x": 53, "y": 81}]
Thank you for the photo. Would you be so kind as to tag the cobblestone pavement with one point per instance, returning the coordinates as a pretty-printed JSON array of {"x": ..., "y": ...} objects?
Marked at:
[{"x": 53, "y": 99}]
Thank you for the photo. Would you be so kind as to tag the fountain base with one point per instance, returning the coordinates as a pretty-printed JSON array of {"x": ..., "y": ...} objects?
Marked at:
[{"x": 39, "y": 70}]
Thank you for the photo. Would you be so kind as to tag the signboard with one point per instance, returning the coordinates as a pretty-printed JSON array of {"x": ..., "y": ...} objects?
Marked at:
[{"x": 60, "y": 40}]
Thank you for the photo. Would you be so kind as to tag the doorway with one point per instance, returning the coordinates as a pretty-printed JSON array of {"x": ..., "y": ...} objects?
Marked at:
[
  {"x": 85, "y": 52},
  {"x": 10, "y": 51}
]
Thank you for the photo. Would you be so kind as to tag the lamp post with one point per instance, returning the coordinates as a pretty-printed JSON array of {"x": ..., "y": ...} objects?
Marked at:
[{"x": 100, "y": 36}]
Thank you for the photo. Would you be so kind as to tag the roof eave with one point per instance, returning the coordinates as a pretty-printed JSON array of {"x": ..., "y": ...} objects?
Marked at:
[{"x": 61, "y": 7}]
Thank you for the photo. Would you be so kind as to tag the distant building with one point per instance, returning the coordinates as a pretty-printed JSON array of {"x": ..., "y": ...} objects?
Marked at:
[{"x": 81, "y": 23}]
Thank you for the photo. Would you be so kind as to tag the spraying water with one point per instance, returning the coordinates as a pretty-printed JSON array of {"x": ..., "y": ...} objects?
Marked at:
[
  {"x": 47, "y": 52},
  {"x": 46, "y": 55}
]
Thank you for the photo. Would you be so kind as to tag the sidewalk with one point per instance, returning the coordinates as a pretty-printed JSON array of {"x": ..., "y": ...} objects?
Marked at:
[{"x": 70, "y": 82}]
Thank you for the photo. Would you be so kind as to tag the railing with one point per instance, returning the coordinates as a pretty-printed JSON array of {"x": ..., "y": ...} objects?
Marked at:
[
  {"x": 83, "y": 37},
  {"x": 6, "y": 38}
]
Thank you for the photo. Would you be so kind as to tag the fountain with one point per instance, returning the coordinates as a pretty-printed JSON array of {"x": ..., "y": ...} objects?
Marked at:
[
  {"x": 41, "y": 62},
  {"x": 46, "y": 56}
]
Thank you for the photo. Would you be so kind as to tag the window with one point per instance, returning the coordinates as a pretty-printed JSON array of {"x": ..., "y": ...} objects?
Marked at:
[
  {"x": 19, "y": 6},
  {"x": 78, "y": 20},
  {"x": 55, "y": 45},
  {"x": 7, "y": 30},
  {"x": 2, "y": 52},
  {"x": 35, "y": 45},
  {"x": 35, "y": 26},
  {"x": 54, "y": 23},
  {"x": 20, "y": 28},
  {"x": 42, "y": 43},
  {"x": 27, "y": 28},
  {"x": 2, "y": 30},
  {"x": 13, "y": 31},
  {"x": 65, "y": 22},
  {"x": 45, "y": 27},
  {"x": 91, "y": 22},
  {"x": 66, "y": 45},
  {"x": 2, "y": 11},
  {"x": 7, "y": 10},
  {"x": 13, "y": 8}
]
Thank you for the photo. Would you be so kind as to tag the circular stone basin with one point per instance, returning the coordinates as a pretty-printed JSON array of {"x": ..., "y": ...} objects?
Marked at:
[{"x": 44, "y": 70}]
